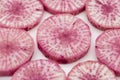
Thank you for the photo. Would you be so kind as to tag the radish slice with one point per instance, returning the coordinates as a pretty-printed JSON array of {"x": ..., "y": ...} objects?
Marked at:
[
  {"x": 64, "y": 6},
  {"x": 64, "y": 38},
  {"x": 16, "y": 48},
  {"x": 40, "y": 70},
  {"x": 108, "y": 49},
  {"x": 22, "y": 14},
  {"x": 104, "y": 14},
  {"x": 91, "y": 70}
]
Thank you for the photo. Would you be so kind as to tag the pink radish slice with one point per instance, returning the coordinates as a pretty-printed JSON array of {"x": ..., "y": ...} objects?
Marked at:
[
  {"x": 108, "y": 49},
  {"x": 40, "y": 70},
  {"x": 104, "y": 14},
  {"x": 64, "y": 38},
  {"x": 16, "y": 48},
  {"x": 22, "y": 14},
  {"x": 64, "y": 6},
  {"x": 91, "y": 70}
]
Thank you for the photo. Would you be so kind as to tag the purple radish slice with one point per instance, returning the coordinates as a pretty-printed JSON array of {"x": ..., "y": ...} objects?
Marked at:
[
  {"x": 16, "y": 48},
  {"x": 108, "y": 49},
  {"x": 22, "y": 14},
  {"x": 91, "y": 70},
  {"x": 64, "y": 6},
  {"x": 64, "y": 38},
  {"x": 104, "y": 14},
  {"x": 40, "y": 70}
]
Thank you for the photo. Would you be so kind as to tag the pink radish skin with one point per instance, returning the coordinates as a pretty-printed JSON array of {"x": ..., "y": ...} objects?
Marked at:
[
  {"x": 91, "y": 70},
  {"x": 107, "y": 49},
  {"x": 22, "y": 14},
  {"x": 64, "y": 38},
  {"x": 103, "y": 14},
  {"x": 16, "y": 48},
  {"x": 64, "y": 6},
  {"x": 40, "y": 70}
]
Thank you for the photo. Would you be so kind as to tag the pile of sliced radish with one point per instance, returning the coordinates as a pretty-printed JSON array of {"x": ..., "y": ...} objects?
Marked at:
[{"x": 62, "y": 38}]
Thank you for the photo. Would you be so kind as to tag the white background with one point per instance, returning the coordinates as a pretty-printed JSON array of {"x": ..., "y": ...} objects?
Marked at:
[{"x": 66, "y": 67}]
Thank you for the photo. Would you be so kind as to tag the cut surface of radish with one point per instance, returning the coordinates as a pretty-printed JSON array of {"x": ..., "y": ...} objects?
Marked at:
[
  {"x": 64, "y": 6},
  {"x": 91, "y": 70},
  {"x": 16, "y": 48},
  {"x": 40, "y": 70},
  {"x": 104, "y": 14},
  {"x": 64, "y": 38},
  {"x": 22, "y": 14},
  {"x": 108, "y": 49}
]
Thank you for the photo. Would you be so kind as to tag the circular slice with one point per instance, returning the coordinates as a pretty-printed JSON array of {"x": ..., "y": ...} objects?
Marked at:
[
  {"x": 40, "y": 70},
  {"x": 64, "y": 38},
  {"x": 108, "y": 49},
  {"x": 22, "y": 14},
  {"x": 64, "y": 6},
  {"x": 16, "y": 48},
  {"x": 104, "y": 14},
  {"x": 91, "y": 70}
]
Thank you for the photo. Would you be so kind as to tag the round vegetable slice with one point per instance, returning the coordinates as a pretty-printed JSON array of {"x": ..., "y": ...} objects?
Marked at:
[
  {"x": 91, "y": 70},
  {"x": 16, "y": 48},
  {"x": 108, "y": 49},
  {"x": 104, "y": 14},
  {"x": 64, "y": 38},
  {"x": 40, "y": 70},
  {"x": 64, "y": 6},
  {"x": 22, "y": 14}
]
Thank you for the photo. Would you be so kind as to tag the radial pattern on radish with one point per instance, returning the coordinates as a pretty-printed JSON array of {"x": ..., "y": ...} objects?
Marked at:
[
  {"x": 64, "y": 38},
  {"x": 23, "y": 14},
  {"x": 16, "y": 48},
  {"x": 103, "y": 14},
  {"x": 108, "y": 49},
  {"x": 40, "y": 70},
  {"x": 91, "y": 70},
  {"x": 64, "y": 6}
]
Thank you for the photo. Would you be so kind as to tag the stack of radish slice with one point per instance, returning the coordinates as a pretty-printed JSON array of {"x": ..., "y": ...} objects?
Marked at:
[{"x": 62, "y": 38}]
